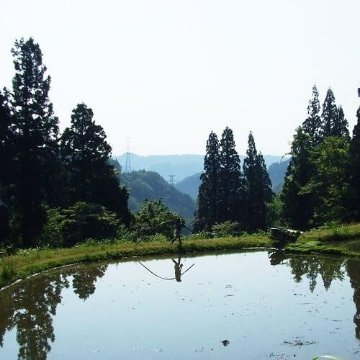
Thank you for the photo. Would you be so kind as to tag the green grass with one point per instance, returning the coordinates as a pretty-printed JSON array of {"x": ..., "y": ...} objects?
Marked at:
[
  {"x": 27, "y": 262},
  {"x": 341, "y": 240}
]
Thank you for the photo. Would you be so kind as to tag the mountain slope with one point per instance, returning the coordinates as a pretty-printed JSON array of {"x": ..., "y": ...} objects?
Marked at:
[
  {"x": 277, "y": 173},
  {"x": 277, "y": 170},
  {"x": 150, "y": 185},
  {"x": 190, "y": 185}
]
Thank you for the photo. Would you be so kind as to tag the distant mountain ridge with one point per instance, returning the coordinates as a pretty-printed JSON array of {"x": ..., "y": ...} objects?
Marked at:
[
  {"x": 190, "y": 185},
  {"x": 175, "y": 167},
  {"x": 276, "y": 170},
  {"x": 149, "y": 185}
]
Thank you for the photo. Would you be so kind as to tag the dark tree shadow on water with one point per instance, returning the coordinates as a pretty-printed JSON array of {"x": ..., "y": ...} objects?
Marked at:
[
  {"x": 353, "y": 270},
  {"x": 30, "y": 306}
]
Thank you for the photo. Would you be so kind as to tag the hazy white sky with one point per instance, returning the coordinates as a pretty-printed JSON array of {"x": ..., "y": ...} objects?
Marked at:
[{"x": 165, "y": 73}]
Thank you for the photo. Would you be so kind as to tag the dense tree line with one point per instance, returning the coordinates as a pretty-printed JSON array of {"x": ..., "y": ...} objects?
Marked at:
[
  {"x": 229, "y": 192},
  {"x": 43, "y": 170},
  {"x": 322, "y": 180},
  {"x": 321, "y": 183},
  {"x": 58, "y": 188}
]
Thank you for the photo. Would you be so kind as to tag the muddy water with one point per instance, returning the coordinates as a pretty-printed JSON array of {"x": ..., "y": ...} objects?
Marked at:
[{"x": 253, "y": 305}]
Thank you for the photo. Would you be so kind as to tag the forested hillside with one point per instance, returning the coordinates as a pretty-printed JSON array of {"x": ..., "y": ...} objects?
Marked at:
[
  {"x": 148, "y": 185},
  {"x": 277, "y": 171},
  {"x": 190, "y": 185}
]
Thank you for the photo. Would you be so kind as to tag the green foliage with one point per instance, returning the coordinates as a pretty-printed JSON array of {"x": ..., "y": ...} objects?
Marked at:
[
  {"x": 67, "y": 227},
  {"x": 225, "y": 194},
  {"x": 227, "y": 228},
  {"x": 312, "y": 125},
  {"x": 329, "y": 182},
  {"x": 85, "y": 155},
  {"x": 231, "y": 190},
  {"x": 33, "y": 134},
  {"x": 316, "y": 189},
  {"x": 274, "y": 212},
  {"x": 7, "y": 268},
  {"x": 353, "y": 200},
  {"x": 333, "y": 122},
  {"x": 257, "y": 189},
  {"x": 297, "y": 205},
  {"x": 154, "y": 218},
  {"x": 209, "y": 190},
  {"x": 6, "y": 148}
]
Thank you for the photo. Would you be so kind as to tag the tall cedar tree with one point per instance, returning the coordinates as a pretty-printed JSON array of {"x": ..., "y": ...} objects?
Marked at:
[
  {"x": 35, "y": 134},
  {"x": 231, "y": 194},
  {"x": 312, "y": 125},
  {"x": 304, "y": 199},
  {"x": 209, "y": 190},
  {"x": 329, "y": 183},
  {"x": 85, "y": 155},
  {"x": 354, "y": 188},
  {"x": 333, "y": 122},
  {"x": 297, "y": 203},
  {"x": 5, "y": 161},
  {"x": 257, "y": 188},
  {"x": 341, "y": 125},
  {"x": 5, "y": 144}
]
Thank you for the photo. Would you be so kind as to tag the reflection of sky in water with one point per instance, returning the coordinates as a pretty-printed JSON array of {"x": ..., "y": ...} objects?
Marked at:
[{"x": 259, "y": 308}]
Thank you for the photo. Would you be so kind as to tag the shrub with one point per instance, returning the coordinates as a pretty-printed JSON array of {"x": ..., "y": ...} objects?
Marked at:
[
  {"x": 67, "y": 227},
  {"x": 226, "y": 228}
]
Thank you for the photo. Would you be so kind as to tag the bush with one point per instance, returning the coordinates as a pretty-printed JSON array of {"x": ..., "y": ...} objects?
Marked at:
[
  {"x": 67, "y": 227},
  {"x": 226, "y": 228},
  {"x": 154, "y": 218}
]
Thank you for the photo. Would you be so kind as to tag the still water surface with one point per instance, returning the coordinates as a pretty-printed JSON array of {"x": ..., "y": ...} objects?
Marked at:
[{"x": 253, "y": 305}]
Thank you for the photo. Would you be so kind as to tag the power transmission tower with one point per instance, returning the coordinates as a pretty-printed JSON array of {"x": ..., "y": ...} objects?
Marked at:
[
  {"x": 127, "y": 157},
  {"x": 171, "y": 181}
]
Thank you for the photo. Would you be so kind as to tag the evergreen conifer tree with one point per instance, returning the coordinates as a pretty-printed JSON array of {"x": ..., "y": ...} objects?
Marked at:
[
  {"x": 312, "y": 125},
  {"x": 34, "y": 135},
  {"x": 333, "y": 122},
  {"x": 5, "y": 145},
  {"x": 231, "y": 184},
  {"x": 257, "y": 188},
  {"x": 354, "y": 188},
  {"x": 341, "y": 125},
  {"x": 297, "y": 203},
  {"x": 5, "y": 161},
  {"x": 209, "y": 190},
  {"x": 329, "y": 182},
  {"x": 85, "y": 155},
  {"x": 328, "y": 115}
]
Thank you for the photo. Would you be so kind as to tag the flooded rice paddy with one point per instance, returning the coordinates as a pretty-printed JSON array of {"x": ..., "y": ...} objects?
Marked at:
[{"x": 254, "y": 305}]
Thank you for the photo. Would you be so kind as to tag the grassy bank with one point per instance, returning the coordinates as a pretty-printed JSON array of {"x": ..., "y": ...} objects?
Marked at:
[
  {"x": 341, "y": 240},
  {"x": 28, "y": 262}
]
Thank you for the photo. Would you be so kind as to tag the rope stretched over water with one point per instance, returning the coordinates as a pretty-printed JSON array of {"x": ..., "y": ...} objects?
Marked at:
[{"x": 161, "y": 277}]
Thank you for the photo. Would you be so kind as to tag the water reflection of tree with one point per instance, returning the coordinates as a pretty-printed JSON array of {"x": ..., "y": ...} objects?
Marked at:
[
  {"x": 312, "y": 266},
  {"x": 31, "y": 306},
  {"x": 353, "y": 270},
  {"x": 84, "y": 280}
]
